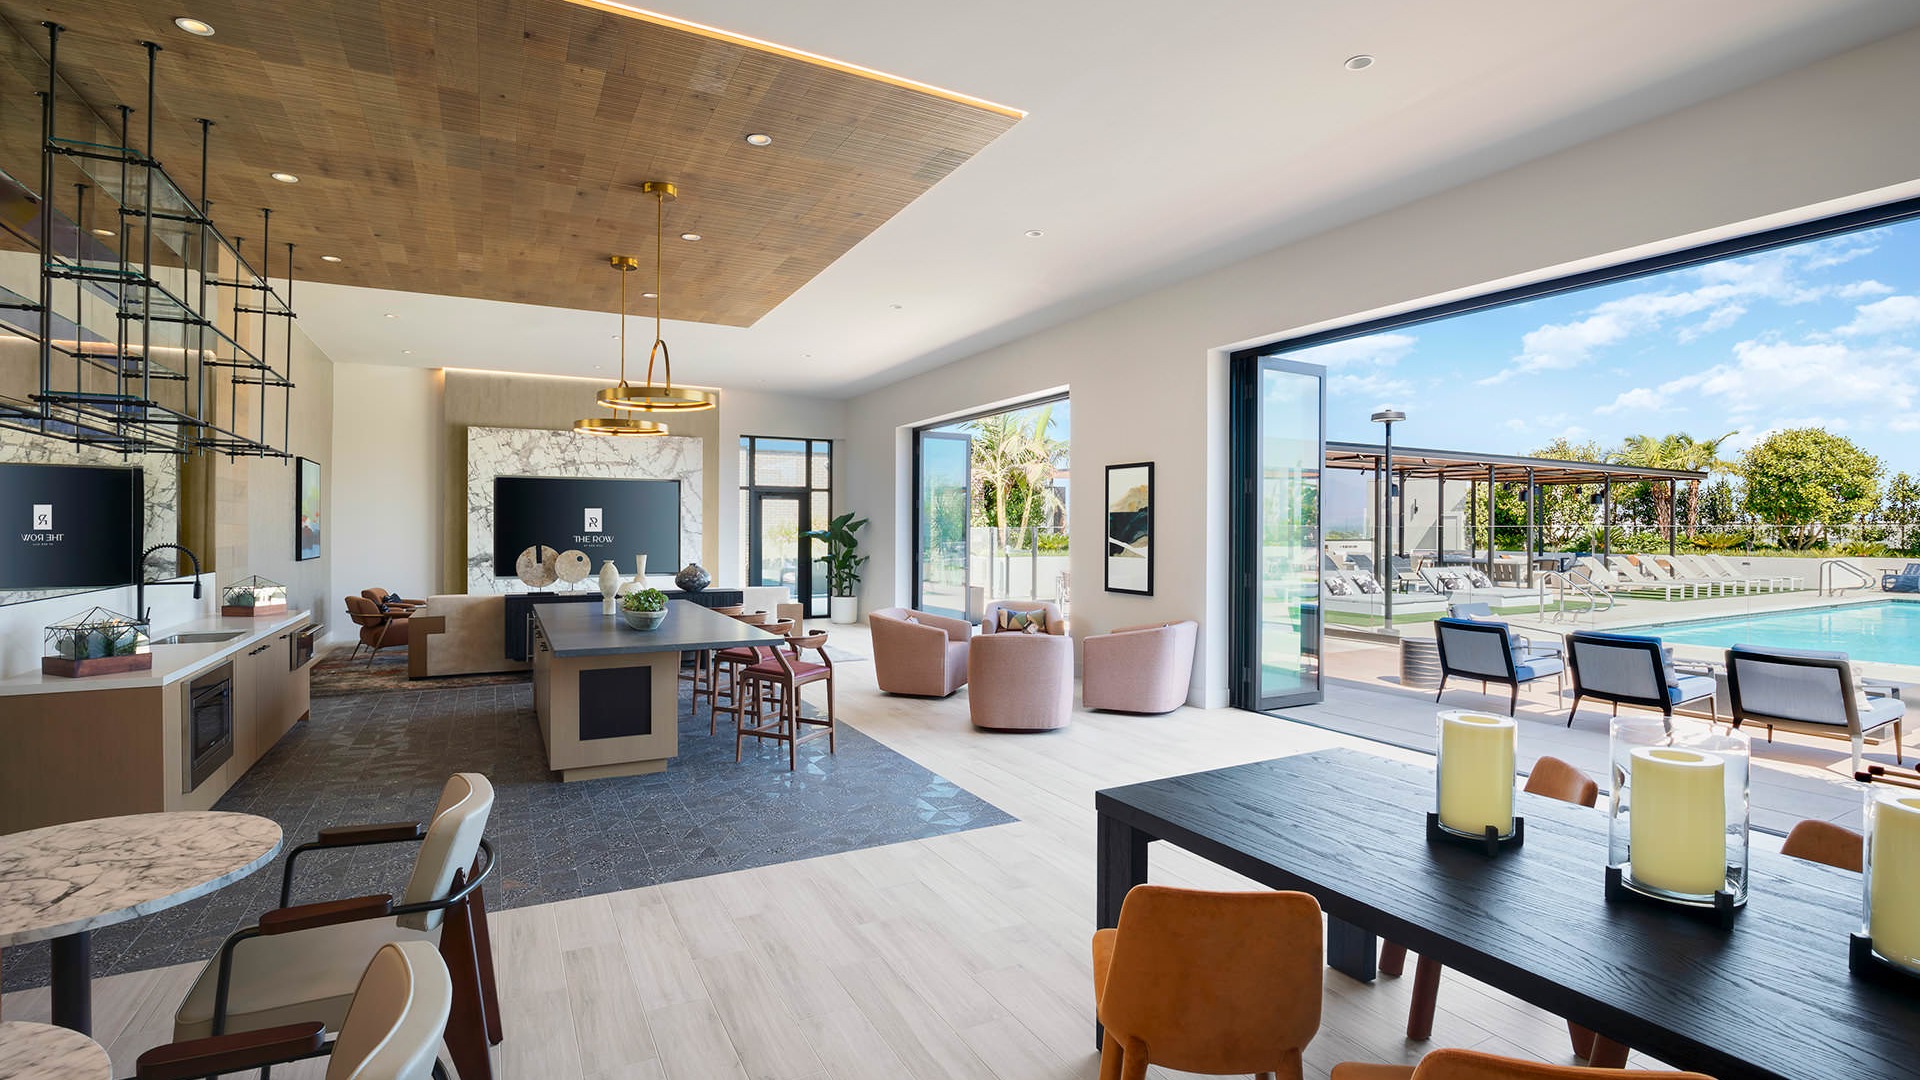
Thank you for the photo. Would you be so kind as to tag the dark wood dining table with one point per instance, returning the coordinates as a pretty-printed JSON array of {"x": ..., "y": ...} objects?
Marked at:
[{"x": 1770, "y": 998}]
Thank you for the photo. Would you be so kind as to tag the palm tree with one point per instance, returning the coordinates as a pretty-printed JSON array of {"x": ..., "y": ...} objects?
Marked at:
[
  {"x": 1014, "y": 459},
  {"x": 1701, "y": 455},
  {"x": 1647, "y": 452}
]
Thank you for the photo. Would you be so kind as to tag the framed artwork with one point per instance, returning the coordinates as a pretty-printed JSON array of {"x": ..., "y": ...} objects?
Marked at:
[
  {"x": 306, "y": 510},
  {"x": 1130, "y": 528}
]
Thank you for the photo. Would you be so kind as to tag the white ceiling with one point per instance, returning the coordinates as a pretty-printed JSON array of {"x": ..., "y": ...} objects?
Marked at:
[{"x": 1161, "y": 140}]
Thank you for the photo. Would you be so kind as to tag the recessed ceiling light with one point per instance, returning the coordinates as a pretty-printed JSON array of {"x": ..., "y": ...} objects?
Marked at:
[
  {"x": 103, "y": 232},
  {"x": 406, "y": 352},
  {"x": 194, "y": 26},
  {"x": 895, "y": 307},
  {"x": 758, "y": 139},
  {"x": 648, "y": 296},
  {"x": 1359, "y": 63},
  {"x": 390, "y": 315},
  {"x": 329, "y": 258},
  {"x": 285, "y": 177},
  {"x": 689, "y": 236},
  {"x": 1034, "y": 234}
]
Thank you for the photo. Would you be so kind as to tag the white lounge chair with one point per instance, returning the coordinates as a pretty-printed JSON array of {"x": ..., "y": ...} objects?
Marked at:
[
  {"x": 1704, "y": 584},
  {"x": 1650, "y": 571},
  {"x": 1780, "y": 581},
  {"x": 1618, "y": 580}
]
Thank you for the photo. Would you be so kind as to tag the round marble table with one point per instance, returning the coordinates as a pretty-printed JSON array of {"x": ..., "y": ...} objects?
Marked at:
[
  {"x": 65, "y": 881},
  {"x": 47, "y": 1052}
]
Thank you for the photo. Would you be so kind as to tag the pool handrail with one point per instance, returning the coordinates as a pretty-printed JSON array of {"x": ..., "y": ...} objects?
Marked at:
[{"x": 1826, "y": 583}]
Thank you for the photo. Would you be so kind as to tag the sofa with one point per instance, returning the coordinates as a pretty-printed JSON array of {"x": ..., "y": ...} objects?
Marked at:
[
  {"x": 1139, "y": 669},
  {"x": 918, "y": 653},
  {"x": 460, "y": 634}
]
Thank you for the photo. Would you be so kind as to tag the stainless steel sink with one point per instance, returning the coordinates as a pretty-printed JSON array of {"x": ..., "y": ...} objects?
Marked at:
[{"x": 203, "y": 637}]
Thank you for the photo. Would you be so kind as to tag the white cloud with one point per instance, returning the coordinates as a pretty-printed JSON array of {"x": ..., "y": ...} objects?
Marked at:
[
  {"x": 1370, "y": 384},
  {"x": 1377, "y": 350},
  {"x": 1516, "y": 424},
  {"x": 1859, "y": 289},
  {"x": 1639, "y": 399},
  {"x": 1884, "y": 317},
  {"x": 1719, "y": 319}
]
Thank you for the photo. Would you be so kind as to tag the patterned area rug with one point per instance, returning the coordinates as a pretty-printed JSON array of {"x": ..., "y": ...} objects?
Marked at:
[
  {"x": 336, "y": 674},
  {"x": 380, "y": 756}
]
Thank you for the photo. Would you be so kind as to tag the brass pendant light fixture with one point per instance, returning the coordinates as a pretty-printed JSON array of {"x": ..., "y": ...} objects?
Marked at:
[
  {"x": 620, "y": 426},
  {"x": 663, "y": 396}
]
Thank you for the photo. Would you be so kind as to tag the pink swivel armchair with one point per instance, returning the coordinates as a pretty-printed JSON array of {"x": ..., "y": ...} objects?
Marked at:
[
  {"x": 1139, "y": 669},
  {"x": 990, "y": 618},
  {"x": 1020, "y": 682},
  {"x": 917, "y": 653}
]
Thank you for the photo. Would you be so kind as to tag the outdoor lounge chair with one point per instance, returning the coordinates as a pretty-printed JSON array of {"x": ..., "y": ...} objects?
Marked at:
[
  {"x": 1405, "y": 578},
  {"x": 1487, "y": 651},
  {"x": 1618, "y": 580},
  {"x": 1676, "y": 568},
  {"x": 1697, "y": 569},
  {"x": 1812, "y": 693},
  {"x": 1776, "y": 581},
  {"x": 1626, "y": 669},
  {"x": 1646, "y": 572},
  {"x": 1907, "y": 580}
]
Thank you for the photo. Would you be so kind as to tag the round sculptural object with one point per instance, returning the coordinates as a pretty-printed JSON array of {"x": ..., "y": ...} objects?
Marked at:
[
  {"x": 537, "y": 566},
  {"x": 692, "y": 578},
  {"x": 573, "y": 567}
]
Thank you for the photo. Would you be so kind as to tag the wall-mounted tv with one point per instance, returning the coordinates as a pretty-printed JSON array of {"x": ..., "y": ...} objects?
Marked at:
[
  {"x": 69, "y": 526},
  {"x": 606, "y": 519}
]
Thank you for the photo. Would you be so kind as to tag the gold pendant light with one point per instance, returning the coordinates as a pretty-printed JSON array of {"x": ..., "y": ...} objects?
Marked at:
[
  {"x": 620, "y": 426},
  {"x": 663, "y": 396}
]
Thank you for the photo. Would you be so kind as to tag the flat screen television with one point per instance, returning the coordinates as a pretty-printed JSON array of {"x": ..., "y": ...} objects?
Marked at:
[
  {"x": 606, "y": 519},
  {"x": 69, "y": 526}
]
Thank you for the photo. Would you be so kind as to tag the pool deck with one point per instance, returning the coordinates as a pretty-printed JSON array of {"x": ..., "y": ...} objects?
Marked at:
[{"x": 1795, "y": 777}]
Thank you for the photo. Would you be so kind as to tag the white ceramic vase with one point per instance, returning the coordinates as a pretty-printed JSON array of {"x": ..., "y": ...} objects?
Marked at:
[
  {"x": 844, "y": 609},
  {"x": 609, "y": 586},
  {"x": 639, "y": 568}
]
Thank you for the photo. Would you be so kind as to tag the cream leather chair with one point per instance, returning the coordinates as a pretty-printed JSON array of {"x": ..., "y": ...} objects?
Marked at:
[
  {"x": 301, "y": 962},
  {"x": 392, "y": 1029}
]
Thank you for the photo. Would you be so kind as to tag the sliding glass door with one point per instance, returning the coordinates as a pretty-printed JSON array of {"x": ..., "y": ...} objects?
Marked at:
[
  {"x": 945, "y": 511},
  {"x": 1279, "y": 422}
]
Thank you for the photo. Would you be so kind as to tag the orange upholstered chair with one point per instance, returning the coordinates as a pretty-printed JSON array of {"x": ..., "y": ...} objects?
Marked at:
[
  {"x": 378, "y": 629},
  {"x": 1208, "y": 982},
  {"x": 1554, "y": 779},
  {"x": 1472, "y": 1065},
  {"x": 1825, "y": 842}
]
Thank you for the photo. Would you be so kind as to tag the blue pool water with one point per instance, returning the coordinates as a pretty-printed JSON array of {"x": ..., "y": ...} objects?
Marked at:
[{"x": 1888, "y": 631}]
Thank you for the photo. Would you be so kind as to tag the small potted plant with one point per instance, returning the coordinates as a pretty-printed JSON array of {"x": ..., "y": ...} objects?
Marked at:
[
  {"x": 98, "y": 642},
  {"x": 644, "y": 609},
  {"x": 253, "y": 596},
  {"x": 843, "y": 565}
]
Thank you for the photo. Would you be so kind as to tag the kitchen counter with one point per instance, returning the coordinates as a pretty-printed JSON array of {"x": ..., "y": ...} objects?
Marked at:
[
  {"x": 581, "y": 630},
  {"x": 171, "y": 663}
]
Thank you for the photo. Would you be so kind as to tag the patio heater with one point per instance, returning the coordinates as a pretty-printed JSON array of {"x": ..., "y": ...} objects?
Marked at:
[{"x": 1388, "y": 417}]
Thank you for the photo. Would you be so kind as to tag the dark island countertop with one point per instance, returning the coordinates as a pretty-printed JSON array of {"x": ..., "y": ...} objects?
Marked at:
[{"x": 581, "y": 630}]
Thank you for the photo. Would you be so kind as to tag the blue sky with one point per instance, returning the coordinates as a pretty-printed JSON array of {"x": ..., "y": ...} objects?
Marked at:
[{"x": 1824, "y": 334}]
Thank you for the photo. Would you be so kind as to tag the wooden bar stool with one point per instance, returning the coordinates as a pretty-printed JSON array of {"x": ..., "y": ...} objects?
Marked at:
[
  {"x": 780, "y": 679},
  {"x": 727, "y": 697},
  {"x": 707, "y": 668}
]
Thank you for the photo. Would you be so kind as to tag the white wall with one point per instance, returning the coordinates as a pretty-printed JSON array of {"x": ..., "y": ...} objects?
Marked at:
[
  {"x": 1148, "y": 376},
  {"x": 387, "y": 483}
]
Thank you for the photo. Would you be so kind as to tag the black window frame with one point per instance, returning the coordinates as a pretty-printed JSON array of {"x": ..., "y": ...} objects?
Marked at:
[{"x": 749, "y": 535}]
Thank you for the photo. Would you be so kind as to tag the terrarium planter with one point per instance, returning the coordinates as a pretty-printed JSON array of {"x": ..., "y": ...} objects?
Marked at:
[
  {"x": 253, "y": 596},
  {"x": 99, "y": 642}
]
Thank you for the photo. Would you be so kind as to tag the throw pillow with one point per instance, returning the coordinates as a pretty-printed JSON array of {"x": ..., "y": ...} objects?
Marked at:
[
  {"x": 1479, "y": 580},
  {"x": 1338, "y": 587},
  {"x": 1449, "y": 582},
  {"x": 1025, "y": 622},
  {"x": 1367, "y": 585}
]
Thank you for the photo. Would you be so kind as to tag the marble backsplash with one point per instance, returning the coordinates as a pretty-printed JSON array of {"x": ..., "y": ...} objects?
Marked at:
[
  {"x": 493, "y": 452},
  {"x": 159, "y": 474}
]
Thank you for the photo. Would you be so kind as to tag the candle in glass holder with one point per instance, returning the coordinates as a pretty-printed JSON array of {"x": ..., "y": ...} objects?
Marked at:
[
  {"x": 1893, "y": 884},
  {"x": 1476, "y": 772},
  {"x": 1679, "y": 823}
]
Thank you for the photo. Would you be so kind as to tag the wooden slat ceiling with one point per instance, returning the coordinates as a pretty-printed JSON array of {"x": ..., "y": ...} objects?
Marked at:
[{"x": 495, "y": 148}]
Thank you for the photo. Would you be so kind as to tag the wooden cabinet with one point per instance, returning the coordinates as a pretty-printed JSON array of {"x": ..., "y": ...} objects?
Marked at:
[{"x": 269, "y": 694}]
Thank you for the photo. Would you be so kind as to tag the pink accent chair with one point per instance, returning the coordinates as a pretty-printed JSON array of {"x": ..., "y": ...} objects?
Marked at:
[
  {"x": 990, "y": 618},
  {"x": 917, "y": 653},
  {"x": 1020, "y": 682},
  {"x": 1139, "y": 669}
]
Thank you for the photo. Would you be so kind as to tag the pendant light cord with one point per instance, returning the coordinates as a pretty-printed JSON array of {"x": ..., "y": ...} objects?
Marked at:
[
  {"x": 623, "y": 325},
  {"x": 659, "y": 289}
]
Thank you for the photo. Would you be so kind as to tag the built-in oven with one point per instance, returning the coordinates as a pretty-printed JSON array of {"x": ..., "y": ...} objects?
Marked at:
[{"x": 209, "y": 725}]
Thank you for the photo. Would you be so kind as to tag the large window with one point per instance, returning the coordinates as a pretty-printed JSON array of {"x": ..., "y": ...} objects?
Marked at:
[
  {"x": 786, "y": 489},
  {"x": 990, "y": 509}
]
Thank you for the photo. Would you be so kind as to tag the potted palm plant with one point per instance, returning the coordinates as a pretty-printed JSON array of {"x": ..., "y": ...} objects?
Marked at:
[{"x": 843, "y": 565}]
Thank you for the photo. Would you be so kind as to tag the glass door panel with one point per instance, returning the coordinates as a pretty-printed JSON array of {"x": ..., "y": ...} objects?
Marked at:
[
  {"x": 1279, "y": 431},
  {"x": 945, "y": 509},
  {"x": 774, "y": 544}
]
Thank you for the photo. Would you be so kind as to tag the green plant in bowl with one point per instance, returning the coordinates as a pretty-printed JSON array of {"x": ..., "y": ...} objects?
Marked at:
[{"x": 644, "y": 609}]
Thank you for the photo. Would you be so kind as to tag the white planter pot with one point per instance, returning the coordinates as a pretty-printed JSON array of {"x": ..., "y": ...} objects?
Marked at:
[{"x": 843, "y": 609}]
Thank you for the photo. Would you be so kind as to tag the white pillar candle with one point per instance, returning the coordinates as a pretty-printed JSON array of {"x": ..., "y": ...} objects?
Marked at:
[
  {"x": 1679, "y": 830},
  {"x": 1476, "y": 772},
  {"x": 1893, "y": 920}
]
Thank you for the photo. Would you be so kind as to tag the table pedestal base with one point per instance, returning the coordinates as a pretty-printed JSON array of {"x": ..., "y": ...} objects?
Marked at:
[{"x": 72, "y": 988}]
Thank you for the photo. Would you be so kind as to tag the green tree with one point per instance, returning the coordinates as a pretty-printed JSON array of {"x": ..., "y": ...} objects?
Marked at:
[
  {"x": 1566, "y": 510},
  {"x": 1805, "y": 480},
  {"x": 1900, "y": 509}
]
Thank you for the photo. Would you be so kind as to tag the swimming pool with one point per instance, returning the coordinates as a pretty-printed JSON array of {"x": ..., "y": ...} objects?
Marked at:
[{"x": 1887, "y": 631}]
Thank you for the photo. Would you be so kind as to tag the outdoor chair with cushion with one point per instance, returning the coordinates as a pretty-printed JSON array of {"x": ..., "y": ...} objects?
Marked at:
[
  {"x": 1487, "y": 651},
  {"x": 1627, "y": 669},
  {"x": 1139, "y": 669},
  {"x": 1812, "y": 693},
  {"x": 1774, "y": 581},
  {"x": 918, "y": 653},
  {"x": 1484, "y": 613},
  {"x": 1906, "y": 580}
]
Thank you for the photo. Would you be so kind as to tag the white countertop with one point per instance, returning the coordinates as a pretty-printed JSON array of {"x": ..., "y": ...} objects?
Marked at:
[{"x": 171, "y": 663}]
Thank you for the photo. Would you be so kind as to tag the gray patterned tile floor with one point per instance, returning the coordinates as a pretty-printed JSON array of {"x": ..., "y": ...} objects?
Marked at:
[{"x": 383, "y": 755}]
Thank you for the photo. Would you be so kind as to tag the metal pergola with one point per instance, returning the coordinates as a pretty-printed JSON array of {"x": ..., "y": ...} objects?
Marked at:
[{"x": 1415, "y": 463}]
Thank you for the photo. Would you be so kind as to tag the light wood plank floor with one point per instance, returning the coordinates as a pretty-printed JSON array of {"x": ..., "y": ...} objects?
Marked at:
[{"x": 961, "y": 957}]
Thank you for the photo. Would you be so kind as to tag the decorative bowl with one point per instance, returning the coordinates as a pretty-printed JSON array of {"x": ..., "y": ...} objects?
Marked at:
[{"x": 643, "y": 620}]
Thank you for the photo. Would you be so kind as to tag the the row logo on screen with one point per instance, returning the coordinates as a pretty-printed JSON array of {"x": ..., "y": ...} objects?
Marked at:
[{"x": 42, "y": 531}]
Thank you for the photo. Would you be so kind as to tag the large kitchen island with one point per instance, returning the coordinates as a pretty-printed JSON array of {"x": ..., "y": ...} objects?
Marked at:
[{"x": 608, "y": 696}]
